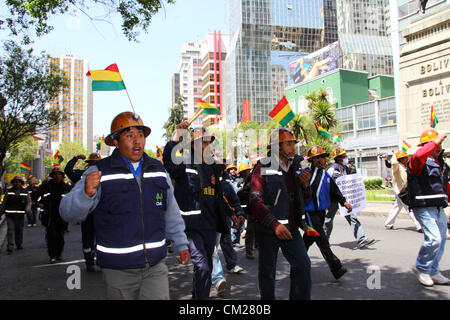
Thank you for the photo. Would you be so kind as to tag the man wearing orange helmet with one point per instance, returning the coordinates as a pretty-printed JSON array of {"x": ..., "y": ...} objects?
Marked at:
[
  {"x": 428, "y": 196},
  {"x": 337, "y": 169},
  {"x": 131, "y": 198},
  {"x": 324, "y": 189},
  {"x": 201, "y": 199},
  {"x": 399, "y": 162},
  {"x": 50, "y": 194},
  {"x": 277, "y": 193}
]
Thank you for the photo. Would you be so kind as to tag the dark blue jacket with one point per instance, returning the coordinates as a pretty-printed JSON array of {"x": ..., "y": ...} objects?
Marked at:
[
  {"x": 429, "y": 189},
  {"x": 130, "y": 228},
  {"x": 198, "y": 193}
]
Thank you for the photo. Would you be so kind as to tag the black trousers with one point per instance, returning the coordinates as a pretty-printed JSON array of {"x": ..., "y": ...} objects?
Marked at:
[
  {"x": 317, "y": 219},
  {"x": 88, "y": 234},
  {"x": 55, "y": 238}
]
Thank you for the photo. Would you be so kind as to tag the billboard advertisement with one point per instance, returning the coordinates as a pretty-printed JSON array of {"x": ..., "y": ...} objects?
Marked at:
[{"x": 317, "y": 63}]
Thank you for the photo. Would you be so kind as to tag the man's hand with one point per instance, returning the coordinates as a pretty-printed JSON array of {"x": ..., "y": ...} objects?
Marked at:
[
  {"x": 304, "y": 177},
  {"x": 181, "y": 128},
  {"x": 92, "y": 183},
  {"x": 184, "y": 257},
  {"x": 241, "y": 220},
  {"x": 81, "y": 157},
  {"x": 348, "y": 206},
  {"x": 235, "y": 222},
  {"x": 283, "y": 233}
]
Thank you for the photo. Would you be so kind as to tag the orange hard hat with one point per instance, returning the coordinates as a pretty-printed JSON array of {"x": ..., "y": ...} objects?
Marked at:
[
  {"x": 18, "y": 177},
  {"x": 338, "y": 152},
  {"x": 401, "y": 154},
  {"x": 93, "y": 157},
  {"x": 280, "y": 135},
  {"x": 201, "y": 133},
  {"x": 125, "y": 120},
  {"x": 244, "y": 167},
  {"x": 231, "y": 166},
  {"x": 57, "y": 169},
  {"x": 316, "y": 151},
  {"x": 427, "y": 136}
]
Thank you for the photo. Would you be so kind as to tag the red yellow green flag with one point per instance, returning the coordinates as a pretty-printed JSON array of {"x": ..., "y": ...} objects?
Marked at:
[
  {"x": 207, "y": 108},
  {"x": 25, "y": 167},
  {"x": 107, "y": 80},
  {"x": 99, "y": 143},
  {"x": 322, "y": 131},
  {"x": 158, "y": 152},
  {"x": 336, "y": 139},
  {"x": 405, "y": 146},
  {"x": 434, "y": 120},
  {"x": 282, "y": 113},
  {"x": 58, "y": 157}
]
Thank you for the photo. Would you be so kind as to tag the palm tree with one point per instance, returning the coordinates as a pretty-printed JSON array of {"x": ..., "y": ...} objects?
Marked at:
[
  {"x": 322, "y": 111},
  {"x": 302, "y": 127}
]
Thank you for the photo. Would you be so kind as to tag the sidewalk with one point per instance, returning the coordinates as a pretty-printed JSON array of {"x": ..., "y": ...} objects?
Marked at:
[{"x": 381, "y": 209}]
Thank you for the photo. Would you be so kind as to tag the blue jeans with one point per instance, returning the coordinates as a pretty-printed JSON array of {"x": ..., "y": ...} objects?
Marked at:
[
  {"x": 295, "y": 253},
  {"x": 217, "y": 271},
  {"x": 434, "y": 225},
  {"x": 352, "y": 219}
]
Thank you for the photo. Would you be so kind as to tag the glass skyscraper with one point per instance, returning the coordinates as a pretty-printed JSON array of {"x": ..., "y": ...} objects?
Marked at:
[{"x": 266, "y": 36}]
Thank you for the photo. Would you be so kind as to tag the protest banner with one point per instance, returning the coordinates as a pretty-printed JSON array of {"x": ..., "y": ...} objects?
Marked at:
[{"x": 353, "y": 189}]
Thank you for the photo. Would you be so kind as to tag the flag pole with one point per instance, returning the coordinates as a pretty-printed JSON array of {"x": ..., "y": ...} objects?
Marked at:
[
  {"x": 130, "y": 100},
  {"x": 195, "y": 115}
]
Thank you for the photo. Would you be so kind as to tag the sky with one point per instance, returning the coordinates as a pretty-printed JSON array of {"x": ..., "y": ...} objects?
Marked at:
[{"x": 146, "y": 67}]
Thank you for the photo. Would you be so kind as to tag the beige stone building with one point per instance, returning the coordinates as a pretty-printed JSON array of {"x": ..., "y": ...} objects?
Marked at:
[{"x": 425, "y": 77}]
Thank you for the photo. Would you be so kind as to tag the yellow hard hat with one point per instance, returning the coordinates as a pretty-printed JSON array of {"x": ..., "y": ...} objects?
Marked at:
[
  {"x": 244, "y": 167},
  {"x": 231, "y": 166},
  {"x": 125, "y": 120},
  {"x": 401, "y": 154},
  {"x": 427, "y": 136},
  {"x": 338, "y": 152}
]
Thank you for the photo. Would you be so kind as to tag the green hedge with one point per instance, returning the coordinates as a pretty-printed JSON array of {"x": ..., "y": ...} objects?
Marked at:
[{"x": 373, "y": 183}]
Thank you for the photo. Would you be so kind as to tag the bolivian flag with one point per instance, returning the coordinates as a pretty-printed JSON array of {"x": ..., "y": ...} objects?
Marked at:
[
  {"x": 25, "y": 167},
  {"x": 207, "y": 108},
  {"x": 322, "y": 131},
  {"x": 336, "y": 139},
  {"x": 434, "y": 120},
  {"x": 282, "y": 113},
  {"x": 310, "y": 231},
  {"x": 159, "y": 152},
  {"x": 107, "y": 80},
  {"x": 99, "y": 143},
  {"x": 58, "y": 157},
  {"x": 405, "y": 146}
]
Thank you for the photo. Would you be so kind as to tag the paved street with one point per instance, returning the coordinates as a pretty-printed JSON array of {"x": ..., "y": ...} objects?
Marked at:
[{"x": 26, "y": 274}]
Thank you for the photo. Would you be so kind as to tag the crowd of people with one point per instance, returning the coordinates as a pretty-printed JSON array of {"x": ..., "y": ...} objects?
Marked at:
[{"x": 133, "y": 209}]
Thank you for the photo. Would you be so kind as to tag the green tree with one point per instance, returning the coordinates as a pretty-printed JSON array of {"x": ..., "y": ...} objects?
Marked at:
[
  {"x": 24, "y": 151},
  {"x": 321, "y": 110},
  {"x": 176, "y": 117},
  {"x": 28, "y": 83},
  {"x": 69, "y": 150},
  {"x": 302, "y": 127},
  {"x": 34, "y": 15}
]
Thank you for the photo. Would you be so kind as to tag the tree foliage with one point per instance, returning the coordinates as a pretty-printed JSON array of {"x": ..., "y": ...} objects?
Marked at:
[
  {"x": 34, "y": 15},
  {"x": 176, "y": 117},
  {"x": 29, "y": 82},
  {"x": 68, "y": 150},
  {"x": 23, "y": 151}
]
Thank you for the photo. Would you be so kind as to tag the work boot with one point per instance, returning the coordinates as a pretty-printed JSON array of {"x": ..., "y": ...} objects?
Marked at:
[{"x": 337, "y": 274}]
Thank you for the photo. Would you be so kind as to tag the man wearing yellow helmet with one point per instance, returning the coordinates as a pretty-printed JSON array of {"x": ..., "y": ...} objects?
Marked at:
[
  {"x": 337, "y": 169},
  {"x": 428, "y": 196},
  {"x": 399, "y": 176}
]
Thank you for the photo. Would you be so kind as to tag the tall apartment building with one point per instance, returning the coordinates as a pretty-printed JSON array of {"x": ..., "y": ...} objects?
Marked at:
[
  {"x": 75, "y": 100},
  {"x": 213, "y": 52},
  {"x": 266, "y": 35},
  {"x": 364, "y": 36},
  {"x": 189, "y": 67},
  {"x": 175, "y": 88}
]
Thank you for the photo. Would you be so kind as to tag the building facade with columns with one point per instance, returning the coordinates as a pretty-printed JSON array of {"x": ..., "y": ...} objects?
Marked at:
[{"x": 425, "y": 77}]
